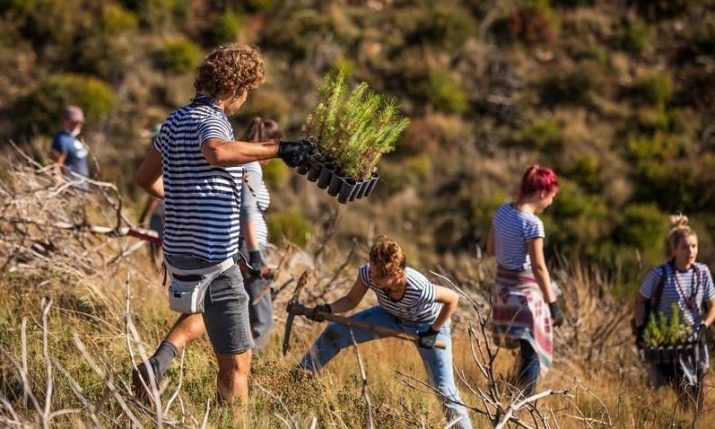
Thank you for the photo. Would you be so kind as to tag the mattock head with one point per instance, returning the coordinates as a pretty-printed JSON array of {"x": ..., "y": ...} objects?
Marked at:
[{"x": 302, "y": 281}]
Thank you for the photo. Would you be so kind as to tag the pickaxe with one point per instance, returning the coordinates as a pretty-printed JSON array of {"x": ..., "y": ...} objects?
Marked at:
[{"x": 296, "y": 308}]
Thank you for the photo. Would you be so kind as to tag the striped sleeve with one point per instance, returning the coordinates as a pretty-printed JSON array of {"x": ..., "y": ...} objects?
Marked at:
[
  {"x": 158, "y": 141},
  {"x": 709, "y": 286},
  {"x": 534, "y": 229},
  {"x": 364, "y": 274},
  {"x": 427, "y": 291},
  {"x": 650, "y": 282},
  {"x": 214, "y": 127}
]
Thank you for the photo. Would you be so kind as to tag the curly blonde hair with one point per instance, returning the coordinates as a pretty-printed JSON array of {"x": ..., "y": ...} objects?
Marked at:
[
  {"x": 387, "y": 256},
  {"x": 230, "y": 70},
  {"x": 680, "y": 230}
]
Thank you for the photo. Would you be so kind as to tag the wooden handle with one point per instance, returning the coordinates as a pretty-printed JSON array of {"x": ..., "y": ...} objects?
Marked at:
[{"x": 381, "y": 330}]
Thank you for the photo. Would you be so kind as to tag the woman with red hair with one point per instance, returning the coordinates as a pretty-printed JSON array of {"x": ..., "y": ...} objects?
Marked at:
[{"x": 520, "y": 314}]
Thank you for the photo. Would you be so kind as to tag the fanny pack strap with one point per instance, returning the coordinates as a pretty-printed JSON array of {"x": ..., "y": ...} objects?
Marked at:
[{"x": 211, "y": 269}]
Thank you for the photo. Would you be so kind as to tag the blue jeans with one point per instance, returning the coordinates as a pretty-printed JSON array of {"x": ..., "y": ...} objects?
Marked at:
[
  {"x": 529, "y": 369},
  {"x": 438, "y": 363},
  {"x": 260, "y": 313}
]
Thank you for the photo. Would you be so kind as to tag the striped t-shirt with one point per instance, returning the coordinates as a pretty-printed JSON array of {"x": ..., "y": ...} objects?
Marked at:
[
  {"x": 202, "y": 202},
  {"x": 513, "y": 230},
  {"x": 417, "y": 305},
  {"x": 253, "y": 206},
  {"x": 688, "y": 282}
]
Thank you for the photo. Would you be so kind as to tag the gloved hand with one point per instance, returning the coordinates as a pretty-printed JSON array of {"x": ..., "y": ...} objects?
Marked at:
[
  {"x": 256, "y": 264},
  {"x": 639, "y": 330},
  {"x": 557, "y": 316},
  {"x": 428, "y": 338},
  {"x": 313, "y": 315},
  {"x": 293, "y": 153},
  {"x": 701, "y": 332}
]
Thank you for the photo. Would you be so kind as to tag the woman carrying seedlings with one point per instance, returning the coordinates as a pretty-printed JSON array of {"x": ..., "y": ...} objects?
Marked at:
[
  {"x": 255, "y": 200},
  {"x": 407, "y": 301},
  {"x": 679, "y": 286},
  {"x": 524, "y": 307}
]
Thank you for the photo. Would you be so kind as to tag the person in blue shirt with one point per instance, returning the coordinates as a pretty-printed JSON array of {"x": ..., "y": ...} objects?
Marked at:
[{"x": 68, "y": 152}]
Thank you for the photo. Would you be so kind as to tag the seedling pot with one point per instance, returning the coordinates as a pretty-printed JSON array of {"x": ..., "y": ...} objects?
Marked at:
[
  {"x": 358, "y": 189},
  {"x": 371, "y": 185},
  {"x": 347, "y": 189},
  {"x": 326, "y": 174},
  {"x": 336, "y": 184},
  {"x": 301, "y": 169},
  {"x": 313, "y": 172},
  {"x": 669, "y": 354}
]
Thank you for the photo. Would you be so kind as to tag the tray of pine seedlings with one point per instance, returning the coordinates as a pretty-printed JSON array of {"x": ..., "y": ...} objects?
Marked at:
[
  {"x": 667, "y": 340},
  {"x": 349, "y": 131}
]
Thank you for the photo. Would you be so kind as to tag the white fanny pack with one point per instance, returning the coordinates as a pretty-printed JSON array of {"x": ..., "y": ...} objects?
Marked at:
[{"x": 187, "y": 296}]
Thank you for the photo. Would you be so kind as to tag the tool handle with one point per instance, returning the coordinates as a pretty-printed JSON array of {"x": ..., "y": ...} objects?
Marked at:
[{"x": 380, "y": 330}]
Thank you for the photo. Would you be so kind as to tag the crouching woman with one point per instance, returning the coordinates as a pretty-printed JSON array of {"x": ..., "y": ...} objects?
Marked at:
[{"x": 407, "y": 301}]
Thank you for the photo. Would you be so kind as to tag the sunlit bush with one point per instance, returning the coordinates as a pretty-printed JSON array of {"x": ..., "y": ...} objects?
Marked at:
[
  {"x": 635, "y": 37},
  {"x": 42, "y": 106},
  {"x": 542, "y": 134},
  {"x": 656, "y": 89},
  {"x": 288, "y": 225},
  {"x": 179, "y": 55},
  {"x": 642, "y": 226},
  {"x": 116, "y": 19},
  {"x": 445, "y": 94},
  {"x": 227, "y": 27},
  {"x": 275, "y": 174}
]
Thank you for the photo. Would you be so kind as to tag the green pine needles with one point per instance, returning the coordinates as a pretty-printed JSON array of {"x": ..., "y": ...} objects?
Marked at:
[
  {"x": 661, "y": 331},
  {"x": 354, "y": 129}
]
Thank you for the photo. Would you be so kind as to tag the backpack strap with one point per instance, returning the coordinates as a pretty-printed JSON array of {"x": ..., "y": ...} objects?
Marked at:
[{"x": 658, "y": 292}]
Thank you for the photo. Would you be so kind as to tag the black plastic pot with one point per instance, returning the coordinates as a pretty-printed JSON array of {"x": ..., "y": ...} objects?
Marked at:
[
  {"x": 336, "y": 184},
  {"x": 347, "y": 189},
  {"x": 359, "y": 186},
  {"x": 313, "y": 172},
  {"x": 301, "y": 169},
  {"x": 371, "y": 185},
  {"x": 326, "y": 174}
]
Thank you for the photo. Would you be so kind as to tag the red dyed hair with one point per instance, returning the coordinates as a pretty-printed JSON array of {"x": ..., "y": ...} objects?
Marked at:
[{"x": 537, "y": 179}]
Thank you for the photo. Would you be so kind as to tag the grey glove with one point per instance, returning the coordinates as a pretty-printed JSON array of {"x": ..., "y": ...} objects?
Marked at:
[{"x": 256, "y": 262}]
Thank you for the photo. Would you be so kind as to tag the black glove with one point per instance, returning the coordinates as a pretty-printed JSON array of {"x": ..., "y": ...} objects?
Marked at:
[
  {"x": 639, "y": 330},
  {"x": 313, "y": 315},
  {"x": 256, "y": 263},
  {"x": 293, "y": 153},
  {"x": 701, "y": 332},
  {"x": 556, "y": 315},
  {"x": 428, "y": 338}
]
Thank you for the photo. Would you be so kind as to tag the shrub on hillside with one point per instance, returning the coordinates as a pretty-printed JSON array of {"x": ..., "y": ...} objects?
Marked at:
[
  {"x": 585, "y": 171},
  {"x": 445, "y": 24},
  {"x": 179, "y": 55},
  {"x": 289, "y": 225},
  {"x": 444, "y": 94},
  {"x": 534, "y": 23},
  {"x": 227, "y": 27},
  {"x": 643, "y": 227},
  {"x": 635, "y": 36},
  {"x": 575, "y": 87},
  {"x": 542, "y": 134},
  {"x": 42, "y": 106},
  {"x": 116, "y": 19},
  {"x": 655, "y": 89},
  {"x": 275, "y": 174}
]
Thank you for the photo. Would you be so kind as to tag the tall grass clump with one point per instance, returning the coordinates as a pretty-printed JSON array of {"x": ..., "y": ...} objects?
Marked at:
[{"x": 354, "y": 128}]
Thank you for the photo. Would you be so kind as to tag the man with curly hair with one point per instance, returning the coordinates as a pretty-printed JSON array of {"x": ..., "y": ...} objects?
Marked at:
[{"x": 195, "y": 166}]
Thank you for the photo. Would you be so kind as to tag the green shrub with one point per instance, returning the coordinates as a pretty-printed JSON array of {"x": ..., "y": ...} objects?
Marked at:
[
  {"x": 288, "y": 225},
  {"x": 445, "y": 24},
  {"x": 227, "y": 28},
  {"x": 533, "y": 23},
  {"x": 445, "y": 94},
  {"x": 542, "y": 134},
  {"x": 585, "y": 171},
  {"x": 275, "y": 174},
  {"x": 636, "y": 36},
  {"x": 42, "y": 107},
  {"x": 179, "y": 55},
  {"x": 643, "y": 227},
  {"x": 116, "y": 19},
  {"x": 575, "y": 87},
  {"x": 162, "y": 15},
  {"x": 656, "y": 89},
  {"x": 662, "y": 331}
]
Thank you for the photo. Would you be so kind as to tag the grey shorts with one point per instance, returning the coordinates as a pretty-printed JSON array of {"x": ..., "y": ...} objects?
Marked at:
[{"x": 225, "y": 307}]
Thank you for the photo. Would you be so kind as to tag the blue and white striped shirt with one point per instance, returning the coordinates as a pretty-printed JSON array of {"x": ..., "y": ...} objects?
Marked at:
[
  {"x": 253, "y": 206},
  {"x": 688, "y": 282},
  {"x": 202, "y": 202},
  {"x": 417, "y": 305},
  {"x": 513, "y": 230}
]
